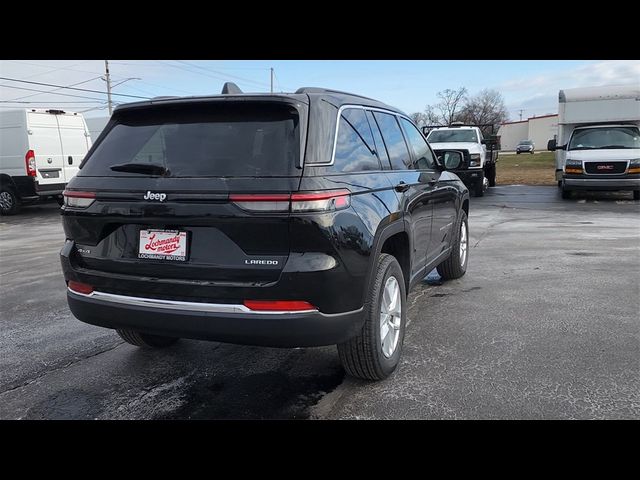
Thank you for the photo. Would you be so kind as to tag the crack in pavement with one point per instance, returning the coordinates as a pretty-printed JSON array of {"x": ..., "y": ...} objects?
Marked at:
[{"x": 55, "y": 369}]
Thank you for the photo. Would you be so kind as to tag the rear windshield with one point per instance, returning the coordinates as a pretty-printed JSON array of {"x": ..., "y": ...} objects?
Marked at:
[
  {"x": 446, "y": 136},
  {"x": 231, "y": 140}
]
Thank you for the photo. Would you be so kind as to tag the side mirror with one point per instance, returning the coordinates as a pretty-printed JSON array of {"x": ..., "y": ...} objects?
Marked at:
[
  {"x": 483, "y": 141},
  {"x": 551, "y": 145},
  {"x": 451, "y": 159}
]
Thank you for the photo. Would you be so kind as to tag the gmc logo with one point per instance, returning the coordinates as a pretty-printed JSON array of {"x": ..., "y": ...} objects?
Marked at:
[{"x": 604, "y": 167}]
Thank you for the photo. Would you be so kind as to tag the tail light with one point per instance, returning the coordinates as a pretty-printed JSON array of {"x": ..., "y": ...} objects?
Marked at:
[
  {"x": 278, "y": 305},
  {"x": 78, "y": 287},
  {"x": 78, "y": 199},
  {"x": 277, "y": 202},
  {"x": 30, "y": 161},
  {"x": 320, "y": 201},
  {"x": 324, "y": 201}
]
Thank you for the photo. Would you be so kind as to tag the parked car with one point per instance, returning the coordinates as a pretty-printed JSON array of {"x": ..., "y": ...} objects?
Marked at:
[
  {"x": 525, "y": 146},
  {"x": 285, "y": 220},
  {"x": 40, "y": 151}
]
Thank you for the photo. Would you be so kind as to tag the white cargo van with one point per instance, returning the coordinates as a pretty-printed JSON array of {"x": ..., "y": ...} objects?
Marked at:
[
  {"x": 598, "y": 142},
  {"x": 40, "y": 151}
]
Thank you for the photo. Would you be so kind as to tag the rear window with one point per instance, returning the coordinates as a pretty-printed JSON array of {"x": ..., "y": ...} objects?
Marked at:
[
  {"x": 239, "y": 140},
  {"x": 454, "y": 135}
]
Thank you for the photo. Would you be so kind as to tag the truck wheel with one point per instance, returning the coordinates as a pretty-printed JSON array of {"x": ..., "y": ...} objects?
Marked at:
[
  {"x": 478, "y": 190},
  {"x": 456, "y": 265},
  {"x": 60, "y": 200},
  {"x": 8, "y": 201},
  {"x": 491, "y": 175},
  {"x": 636, "y": 194},
  {"x": 518, "y": 152},
  {"x": 146, "y": 340},
  {"x": 375, "y": 353},
  {"x": 559, "y": 183},
  {"x": 566, "y": 194}
]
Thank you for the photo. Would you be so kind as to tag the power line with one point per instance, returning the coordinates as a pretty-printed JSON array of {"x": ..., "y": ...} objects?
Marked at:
[
  {"x": 55, "y": 89},
  {"x": 70, "y": 88},
  {"x": 225, "y": 74},
  {"x": 44, "y": 91}
]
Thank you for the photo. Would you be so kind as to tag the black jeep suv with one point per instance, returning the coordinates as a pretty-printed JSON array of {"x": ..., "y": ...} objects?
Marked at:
[{"x": 267, "y": 219}]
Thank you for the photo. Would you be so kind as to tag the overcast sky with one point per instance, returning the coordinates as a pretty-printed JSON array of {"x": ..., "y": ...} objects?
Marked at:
[{"x": 531, "y": 85}]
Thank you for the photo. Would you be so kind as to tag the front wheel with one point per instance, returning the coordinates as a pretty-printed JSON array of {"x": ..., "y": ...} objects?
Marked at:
[
  {"x": 478, "y": 189},
  {"x": 375, "y": 352},
  {"x": 8, "y": 201},
  {"x": 139, "y": 339},
  {"x": 636, "y": 194},
  {"x": 456, "y": 265},
  {"x": 566, "y": 194},
  {"x": 491, "y": 174}
]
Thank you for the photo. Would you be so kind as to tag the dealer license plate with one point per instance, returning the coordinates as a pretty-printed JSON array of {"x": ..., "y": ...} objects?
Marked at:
[{"x": 163, "y": 245}]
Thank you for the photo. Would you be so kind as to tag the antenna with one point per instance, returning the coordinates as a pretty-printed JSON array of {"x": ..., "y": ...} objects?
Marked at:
[{"x": 230, "y": 88}]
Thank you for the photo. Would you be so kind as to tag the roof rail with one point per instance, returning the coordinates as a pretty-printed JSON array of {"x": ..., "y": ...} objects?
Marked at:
[
  {"x": 230, "y": 88},
  {"x": 328, "y": 90}
]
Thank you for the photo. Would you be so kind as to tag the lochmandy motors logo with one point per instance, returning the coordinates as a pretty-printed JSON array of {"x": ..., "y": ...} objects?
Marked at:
[
  {"x": 163, "y": 245},
  {"x": 154, "y": 196}
]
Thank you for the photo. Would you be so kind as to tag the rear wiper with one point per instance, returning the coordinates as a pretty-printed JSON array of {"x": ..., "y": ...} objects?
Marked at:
[{"x": 149, "y": 168}]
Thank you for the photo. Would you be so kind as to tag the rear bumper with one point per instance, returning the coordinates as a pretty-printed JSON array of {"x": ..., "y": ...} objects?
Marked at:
[
  {"x": 50, "y": 189},
  {"x": 223, "y": 323},
  {"x": 626, "y": 182}
]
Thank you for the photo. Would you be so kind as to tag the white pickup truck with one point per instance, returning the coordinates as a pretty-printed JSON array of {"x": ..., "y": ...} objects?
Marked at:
[{"x": 478, "y": 171}]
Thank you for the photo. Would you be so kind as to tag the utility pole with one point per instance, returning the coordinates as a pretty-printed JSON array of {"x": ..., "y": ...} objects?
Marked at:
[
  {"x": 108, "y": 80},
  {"x": 271, "y": 79},
  {"x": 521, "y": 110}
]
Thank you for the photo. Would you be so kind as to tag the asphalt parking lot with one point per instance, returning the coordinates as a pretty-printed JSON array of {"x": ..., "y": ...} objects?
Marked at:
[{"x": 545, "y": 325}]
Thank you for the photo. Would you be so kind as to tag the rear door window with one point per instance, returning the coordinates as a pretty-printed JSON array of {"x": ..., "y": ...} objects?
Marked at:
[
  {"x": 394, "y": 140},
  {"x": 241, "y": 140},
  {"x": 355, "y": 147},
  {"x": 380, "y": 147}
]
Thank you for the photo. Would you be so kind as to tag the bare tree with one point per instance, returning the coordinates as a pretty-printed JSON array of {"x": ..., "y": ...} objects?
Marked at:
[
  {"x": 447, "y": 110},
  {"x": 487, "y": 107},
  {"x": 419, "y": 118}
]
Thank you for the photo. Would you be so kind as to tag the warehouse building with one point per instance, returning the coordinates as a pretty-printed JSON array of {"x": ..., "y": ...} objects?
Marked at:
[{"x": 538, "y": 129}]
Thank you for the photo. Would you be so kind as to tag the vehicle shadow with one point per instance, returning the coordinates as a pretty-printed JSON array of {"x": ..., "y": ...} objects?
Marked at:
[
  {"x": 36, "y": 211},
  {"x": 205, "y": 380},
  {"x": 602, "y": 196}
]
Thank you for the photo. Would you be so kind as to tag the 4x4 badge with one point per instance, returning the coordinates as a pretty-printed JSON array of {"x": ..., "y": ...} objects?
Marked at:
[{"x": 155, "y": 196}]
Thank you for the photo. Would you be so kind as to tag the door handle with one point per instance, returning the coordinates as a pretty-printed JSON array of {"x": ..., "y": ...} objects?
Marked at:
[
  {"x": 401, "y": 187},
  {"x": 70, "y": 160}
]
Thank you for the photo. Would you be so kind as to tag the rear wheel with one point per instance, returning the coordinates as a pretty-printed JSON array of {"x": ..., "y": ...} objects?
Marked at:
[
  {"x": 146, "y": 340},
  {"x": 8, "y": 200},
  {"x": 375, "y": 353},
  {"x": 60, "y": 200},
  {"x": 566, "y": 194},
  {"x": 636, "y": 194},
  {"x": 456, "y": 265}
]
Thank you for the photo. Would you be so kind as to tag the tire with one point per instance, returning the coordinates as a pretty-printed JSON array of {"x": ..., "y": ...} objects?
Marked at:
[
  {"x": 60, "y": 200},
  {"x": 456, "y": 265},
  {"x": 145, "y": 340},
  {"x": 492, "y": 175},
  {"x": 566, "y": 194},
  {"x": 8, "y": 201},
  {"x": 364, "y": 355},
  {"x": 559, "y": 183},
  {"x": 478, "y": 190},
  {"x": 636, "y": 194}
]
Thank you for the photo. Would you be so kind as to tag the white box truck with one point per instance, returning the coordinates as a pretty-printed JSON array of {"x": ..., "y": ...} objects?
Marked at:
[
  {"x": 598, "y": 141},
  {"x": 40, "y": 151}
]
